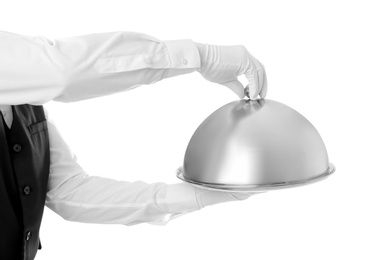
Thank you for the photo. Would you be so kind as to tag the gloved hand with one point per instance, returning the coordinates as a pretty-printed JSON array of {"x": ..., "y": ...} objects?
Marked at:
[
  {"x": 223, "y": 64},
  {"x": 210, "y": 197}
]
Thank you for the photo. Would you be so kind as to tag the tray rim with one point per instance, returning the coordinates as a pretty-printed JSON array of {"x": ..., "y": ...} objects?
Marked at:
[{"x": 256, "y": 187}]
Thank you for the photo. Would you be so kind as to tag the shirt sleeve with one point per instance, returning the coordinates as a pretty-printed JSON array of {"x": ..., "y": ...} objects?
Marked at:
[
  {"x": 76, "y": 196},
  {"x": 35, "y": 70}
]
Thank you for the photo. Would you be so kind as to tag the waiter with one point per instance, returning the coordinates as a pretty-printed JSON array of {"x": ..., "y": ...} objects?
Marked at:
[{"x": 37, "y": 167}]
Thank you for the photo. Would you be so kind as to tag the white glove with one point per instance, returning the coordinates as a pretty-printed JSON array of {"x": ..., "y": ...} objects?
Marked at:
[
  {"x": 210, "y": 197},
  {"x": 223, "y": 64}
]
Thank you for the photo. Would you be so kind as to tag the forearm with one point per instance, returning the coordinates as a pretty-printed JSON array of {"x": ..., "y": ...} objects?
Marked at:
[
  {"x": 100, "y": 200},
  {"x": 35, "y": 70}
]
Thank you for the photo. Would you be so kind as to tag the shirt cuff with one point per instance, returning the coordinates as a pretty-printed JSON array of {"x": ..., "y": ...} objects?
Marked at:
[{"x": 184, "y": 57}]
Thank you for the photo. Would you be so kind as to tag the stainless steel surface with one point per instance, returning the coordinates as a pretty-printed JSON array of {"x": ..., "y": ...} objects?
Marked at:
[{"x": 251, "y": 145}]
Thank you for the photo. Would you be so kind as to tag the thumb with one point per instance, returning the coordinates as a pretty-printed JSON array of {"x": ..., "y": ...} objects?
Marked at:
[{"x": 235, "y": 86}]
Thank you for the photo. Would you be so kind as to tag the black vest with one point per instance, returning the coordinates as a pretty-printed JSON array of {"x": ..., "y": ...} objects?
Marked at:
[{"x": 24, "y": 171}]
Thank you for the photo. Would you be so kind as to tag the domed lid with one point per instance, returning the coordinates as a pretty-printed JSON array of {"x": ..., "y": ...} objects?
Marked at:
[{"x": 254, "y": 145}]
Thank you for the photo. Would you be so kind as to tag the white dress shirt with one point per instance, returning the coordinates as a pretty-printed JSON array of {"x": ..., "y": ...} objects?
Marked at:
[{"x": 34, "y": 70}]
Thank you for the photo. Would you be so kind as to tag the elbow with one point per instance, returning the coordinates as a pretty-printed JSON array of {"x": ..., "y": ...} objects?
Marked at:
[
  {"x": 63, "y": 82},
  {"x": 63, "y": 212}
]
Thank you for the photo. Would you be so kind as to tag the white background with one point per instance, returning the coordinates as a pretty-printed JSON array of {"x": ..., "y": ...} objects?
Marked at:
[{"x": 330, "y": 60}]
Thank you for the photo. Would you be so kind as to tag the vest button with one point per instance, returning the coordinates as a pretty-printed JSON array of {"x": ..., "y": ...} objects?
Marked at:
[
  {"x": 27, "y": 190},
  {"x": 17, "y": 148},
  {"x": 28, "y": 235}
]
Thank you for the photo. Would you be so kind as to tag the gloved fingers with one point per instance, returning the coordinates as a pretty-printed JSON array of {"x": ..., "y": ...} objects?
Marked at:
[
  {"x": 245, "y": 195},
  {"x": 206, "y": 197},
  {"x": 264, "y": 89},
  {"x": 235, "y": 86},
  {"x": 255, "y": 75},
  {"x": 254, "y": 83},
  {"x": 261, "y": 71},
  {"x": 210, "y": 197},
  {"x": 240, "y": 196}
]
